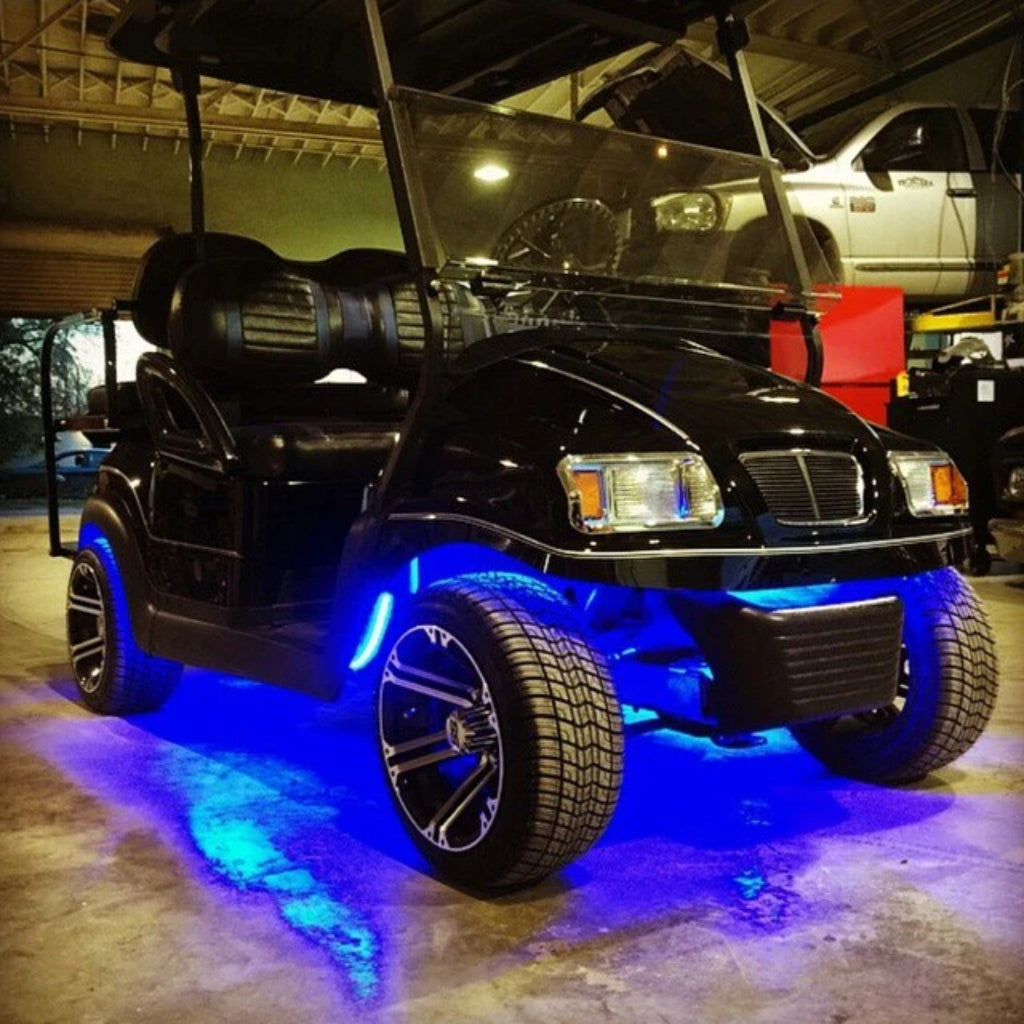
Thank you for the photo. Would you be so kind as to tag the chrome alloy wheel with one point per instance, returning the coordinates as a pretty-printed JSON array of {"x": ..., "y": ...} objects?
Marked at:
[
  {"x": 440, "y": 738},
  {"x": 87, "y": 627}
]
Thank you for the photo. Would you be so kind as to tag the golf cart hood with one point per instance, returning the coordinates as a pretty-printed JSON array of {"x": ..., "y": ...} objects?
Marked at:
[
  {"x": 720, "y": 403},
  {"x": 483, "y": 50}
]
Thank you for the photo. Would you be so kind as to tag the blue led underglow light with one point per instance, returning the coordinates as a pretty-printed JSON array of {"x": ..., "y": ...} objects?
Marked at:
[
  {"x": 414, "y": 576},
  {"x": 90, "y": 536},
  {"x": 816, "y": 595},
  {"x": 376, "y": 627}
]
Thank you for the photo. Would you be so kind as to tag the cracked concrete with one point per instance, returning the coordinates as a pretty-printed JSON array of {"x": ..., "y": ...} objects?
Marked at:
[{"x": 235, "y": 858}]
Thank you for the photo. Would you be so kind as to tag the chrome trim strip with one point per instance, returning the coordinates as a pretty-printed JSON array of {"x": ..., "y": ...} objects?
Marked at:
[
  {"x": 954, "y": 266},
  {"x": 762, "y": 552}
]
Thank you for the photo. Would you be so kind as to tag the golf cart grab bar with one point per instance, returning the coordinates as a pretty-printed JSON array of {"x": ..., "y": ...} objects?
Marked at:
[{"x": 57, "y": 549}]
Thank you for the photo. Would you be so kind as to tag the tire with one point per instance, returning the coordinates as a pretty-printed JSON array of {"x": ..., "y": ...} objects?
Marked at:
[
  {"x": 832, "y": 269},
  {"x": 980, "y": 563},
  {"x": 758, "y": 257},
  {"x": 112, "y": 674},
  {"x": 944, "y": 700},
  {"x": 500, "y": 731}
]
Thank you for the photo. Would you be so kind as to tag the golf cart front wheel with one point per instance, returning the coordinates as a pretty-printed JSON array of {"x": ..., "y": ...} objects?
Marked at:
[{"x": 500, "y": 731}]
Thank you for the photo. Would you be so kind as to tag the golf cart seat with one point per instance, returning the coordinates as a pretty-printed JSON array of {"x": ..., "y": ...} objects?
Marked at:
[{"x": 246, "y": 335}]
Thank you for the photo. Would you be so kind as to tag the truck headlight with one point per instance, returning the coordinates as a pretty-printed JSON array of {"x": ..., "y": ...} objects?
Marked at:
[
  {"x": 633, "y": 493},
  {"x": 932, "y": 483},
  {"x": 688, "y": 211},
  {"x": 1014, "y": 488}
]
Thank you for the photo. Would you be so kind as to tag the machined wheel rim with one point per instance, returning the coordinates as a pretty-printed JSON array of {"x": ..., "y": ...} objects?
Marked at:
[
  {"x": 87, "y": 627},
  {"x": 440, "y": 738}
]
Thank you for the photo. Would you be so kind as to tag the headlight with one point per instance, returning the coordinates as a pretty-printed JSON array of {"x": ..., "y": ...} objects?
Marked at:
[
  {"x": 626, "y": 493},
  {"x": 1014, "y": 488},
  {"x": 933, "y": 485},
  {"x": 688, "y": 211}
]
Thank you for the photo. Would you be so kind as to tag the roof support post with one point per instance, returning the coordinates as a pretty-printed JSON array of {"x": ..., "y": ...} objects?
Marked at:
[
  {"x": 732, "y": 37},
  {"x": 188, "y": 82},
  {"x": 421, "y": 247}
]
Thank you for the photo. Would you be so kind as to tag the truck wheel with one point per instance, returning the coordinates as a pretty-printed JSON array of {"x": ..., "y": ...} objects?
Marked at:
[
  {"x": 113, "y": 675},
  {"x": 945, "y": 696},
  {"x": 500, "y": 731}
]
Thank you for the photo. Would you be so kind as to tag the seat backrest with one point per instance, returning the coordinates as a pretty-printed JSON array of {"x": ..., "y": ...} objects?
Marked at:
[
  {"x": 260, "y": 323},
  {"x": 162, "y": 267}
]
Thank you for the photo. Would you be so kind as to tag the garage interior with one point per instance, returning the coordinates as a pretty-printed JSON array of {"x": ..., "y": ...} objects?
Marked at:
[{"x": 235, "y": 855}]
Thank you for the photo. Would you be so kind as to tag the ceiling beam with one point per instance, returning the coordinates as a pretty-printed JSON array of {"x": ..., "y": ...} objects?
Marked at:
[
  {"x": 1004, "y": 28},
  {"x": 33, "y": 34},
  {"x": 792, "y": 49},
  {"x": 38, "y": 111},
  {"x": 875, "y": 25}
]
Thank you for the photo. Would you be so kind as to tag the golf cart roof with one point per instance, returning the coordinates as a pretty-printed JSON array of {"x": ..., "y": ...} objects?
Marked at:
[{"x": 483, "y": 50}]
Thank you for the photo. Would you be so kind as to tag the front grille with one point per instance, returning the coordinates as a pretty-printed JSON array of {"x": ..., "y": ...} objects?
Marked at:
[{"x": 809, "y": 488}]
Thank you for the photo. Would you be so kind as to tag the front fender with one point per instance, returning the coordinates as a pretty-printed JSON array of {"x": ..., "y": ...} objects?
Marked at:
[{"x": 114, "y": 521}]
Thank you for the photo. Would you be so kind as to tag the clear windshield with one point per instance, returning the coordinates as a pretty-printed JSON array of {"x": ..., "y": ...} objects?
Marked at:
[{"x": 557, "y": 204}]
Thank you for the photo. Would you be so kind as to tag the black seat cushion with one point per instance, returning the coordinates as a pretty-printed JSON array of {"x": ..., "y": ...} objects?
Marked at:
[
  {"x": 354, "y": 454},
  {"x": 303, "y": 402},
  {"x": 162, "y": 267},
  {"x": 167, "y": 260}
]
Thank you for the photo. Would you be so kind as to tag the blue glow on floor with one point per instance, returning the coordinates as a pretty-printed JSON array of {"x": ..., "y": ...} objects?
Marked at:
[
  {"x": 752, "y": 883},
  {"x": 243, "y": 825}
]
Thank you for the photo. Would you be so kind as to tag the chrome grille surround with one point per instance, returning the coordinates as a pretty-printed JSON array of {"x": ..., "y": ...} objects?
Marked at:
[{"x": 809, "y": 487}]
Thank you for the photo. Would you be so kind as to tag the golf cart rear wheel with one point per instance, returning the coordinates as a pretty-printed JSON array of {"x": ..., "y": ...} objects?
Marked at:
[
  {"x": 112, "y": 674},
  {"x": 945, "y": 697},
  {"x": 500, "y": 731}
]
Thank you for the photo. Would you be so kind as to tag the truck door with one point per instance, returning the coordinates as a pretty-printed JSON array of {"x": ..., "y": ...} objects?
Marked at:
[
  {"x": 912, "y": 206},
  {"x": 997, "y": 178}
]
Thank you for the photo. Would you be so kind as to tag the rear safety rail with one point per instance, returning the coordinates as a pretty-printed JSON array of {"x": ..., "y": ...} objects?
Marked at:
[{"x": 106, "y": 318}]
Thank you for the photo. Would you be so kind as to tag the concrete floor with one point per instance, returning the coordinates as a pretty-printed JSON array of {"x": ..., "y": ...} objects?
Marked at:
[{"x": 235, "y": 858}]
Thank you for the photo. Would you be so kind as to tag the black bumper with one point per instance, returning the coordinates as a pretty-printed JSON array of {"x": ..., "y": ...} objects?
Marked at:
[{"x": 772, "y": 668}]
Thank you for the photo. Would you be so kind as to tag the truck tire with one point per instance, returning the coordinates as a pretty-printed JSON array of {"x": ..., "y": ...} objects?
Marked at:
[
  {"x": 500, "y": 731},
  {"x": 112, "y": 674},
  {"x": 758, "y": 256},
  {"x": 945, "y": 696}
]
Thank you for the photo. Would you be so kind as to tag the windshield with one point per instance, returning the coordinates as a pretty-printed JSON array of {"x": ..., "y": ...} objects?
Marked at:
[{"x": 545, "y": 204}]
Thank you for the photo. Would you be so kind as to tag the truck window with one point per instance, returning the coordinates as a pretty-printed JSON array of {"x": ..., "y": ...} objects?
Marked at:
[
  {"x": 919, "y": 140},
  {"x": 999, "y": 134}
]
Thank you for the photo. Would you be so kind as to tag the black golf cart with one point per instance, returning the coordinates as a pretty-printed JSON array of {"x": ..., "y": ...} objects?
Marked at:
[{"x": 553, "y": 492}]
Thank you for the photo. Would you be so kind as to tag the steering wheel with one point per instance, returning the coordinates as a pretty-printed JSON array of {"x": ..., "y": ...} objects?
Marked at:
[{"x": 573, "y": 235}]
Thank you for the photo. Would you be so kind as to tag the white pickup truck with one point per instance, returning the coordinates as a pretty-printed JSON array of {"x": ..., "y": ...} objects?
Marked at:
[{"x": 923, "y": 197}]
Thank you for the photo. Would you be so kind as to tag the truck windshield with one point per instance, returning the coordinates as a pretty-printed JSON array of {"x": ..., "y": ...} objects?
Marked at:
[{"x": 550, "y": 205}]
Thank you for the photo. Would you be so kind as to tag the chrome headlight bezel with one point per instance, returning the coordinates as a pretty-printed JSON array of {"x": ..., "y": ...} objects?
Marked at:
[
  {"x": 932, "y": 484},
  {"x": 640, "y": 492},
  {"x": 698, "y": 212},
  {"x": 1014, "y": 488}
]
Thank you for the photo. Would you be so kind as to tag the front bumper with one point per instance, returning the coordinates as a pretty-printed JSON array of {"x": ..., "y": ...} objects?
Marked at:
[
  {"x": 1009, "y": 537},
  {"x": 772, "y": 667}
]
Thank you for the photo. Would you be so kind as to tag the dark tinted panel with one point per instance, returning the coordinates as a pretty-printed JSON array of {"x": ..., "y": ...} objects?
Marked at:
[{"x": 999, "y": 132}]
